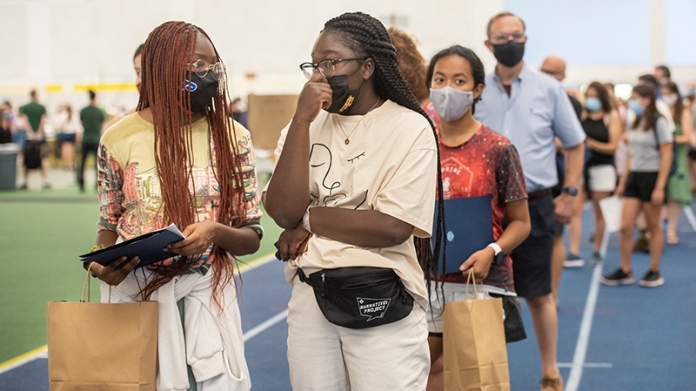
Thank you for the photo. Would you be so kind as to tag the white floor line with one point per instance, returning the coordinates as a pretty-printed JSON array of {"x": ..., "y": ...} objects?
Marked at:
[
  {"x": 690, "y": 216},
  {"x": 587, "y": 365},
  {"x": 265, "y": 325},
  {"x": 584, "y": 335}
]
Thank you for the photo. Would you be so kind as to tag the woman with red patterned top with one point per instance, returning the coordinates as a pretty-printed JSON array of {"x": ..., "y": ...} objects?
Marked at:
[{"x": 475, "y": 162}]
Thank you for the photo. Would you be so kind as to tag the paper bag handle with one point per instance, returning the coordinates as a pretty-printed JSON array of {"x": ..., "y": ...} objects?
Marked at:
[
  {"x": 470, "y": 278},
  {"x": 88, "y": 285}
]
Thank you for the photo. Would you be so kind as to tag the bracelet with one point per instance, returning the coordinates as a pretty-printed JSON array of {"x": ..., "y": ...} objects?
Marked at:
[{"x": 305, "y": 221}]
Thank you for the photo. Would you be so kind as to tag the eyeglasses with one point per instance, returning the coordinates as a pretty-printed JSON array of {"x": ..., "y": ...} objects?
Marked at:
[
  {"x": 327, "y": 67},
  {"x": 517, "y": 36},
  {"x": 201, "y": 68}
]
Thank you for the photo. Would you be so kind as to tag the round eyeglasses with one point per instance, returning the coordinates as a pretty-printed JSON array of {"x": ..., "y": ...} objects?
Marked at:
[
  {"x": 327, "y": 67},
  {"x": 201, "y": 68}
]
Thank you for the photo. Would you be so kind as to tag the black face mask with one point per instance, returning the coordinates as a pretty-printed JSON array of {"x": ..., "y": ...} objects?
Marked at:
[
  {"x": 203, "y": 89},
  {"x": 342, "y": 97},
  {"x": 510, "y": 53}
]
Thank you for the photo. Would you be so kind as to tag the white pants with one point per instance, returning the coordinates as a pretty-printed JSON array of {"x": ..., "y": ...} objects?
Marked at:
[{"x": 326, "y": 357}]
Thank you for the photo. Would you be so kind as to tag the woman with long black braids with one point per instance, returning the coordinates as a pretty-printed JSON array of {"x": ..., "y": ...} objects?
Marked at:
[
  {"x": 180, "y": 159},
  {"x": 356, "y": 169}
]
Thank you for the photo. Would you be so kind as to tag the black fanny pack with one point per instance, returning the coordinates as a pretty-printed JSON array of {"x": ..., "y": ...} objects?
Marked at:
[{"x": 360, "y": 297}]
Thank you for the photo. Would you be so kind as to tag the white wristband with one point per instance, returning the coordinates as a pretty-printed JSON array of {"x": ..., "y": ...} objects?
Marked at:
[
  {"x": 305, "y": 221},
  {"x": 496, "y": 249}
]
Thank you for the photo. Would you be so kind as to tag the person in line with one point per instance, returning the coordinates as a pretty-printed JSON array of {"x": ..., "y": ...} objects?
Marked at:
[
  {"x": 556, "y": 68},
  {"x": 643, "y": 186},
  {"x": 34, "y": 119},
  {"x": 92, "y": 118},
  {"x": 679, "y": 182},
  {"x": 180, "y": 160},
  {"x": 492, "y": 168},
  {"x": 355, "y": 181},
  {"x": 412, "y": 66},
  {"x": 531, "y": 109},
  {"x": 642, "y": 244},
  {"x": 663, "y": 76},
  {"x": 602, "y": 127},
  {"x": 68, "y": 128}
]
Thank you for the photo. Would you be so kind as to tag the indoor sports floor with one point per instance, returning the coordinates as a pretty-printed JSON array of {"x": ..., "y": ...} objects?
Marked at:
[{"x": 623, "y": 338}]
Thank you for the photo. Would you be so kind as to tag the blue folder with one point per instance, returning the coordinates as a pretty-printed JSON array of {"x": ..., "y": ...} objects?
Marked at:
[
  {"x": 149, "y": 247},
  {"x": 469, "y": 223}
]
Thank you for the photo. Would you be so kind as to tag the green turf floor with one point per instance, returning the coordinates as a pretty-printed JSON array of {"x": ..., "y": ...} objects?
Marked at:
[{"x": 41, "y": 235}]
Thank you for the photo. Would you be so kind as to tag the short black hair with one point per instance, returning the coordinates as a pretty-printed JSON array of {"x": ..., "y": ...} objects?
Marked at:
[
  {"x": 477, "y": 69},
  {"x": 649, "y": 79},
  {"x": 665, "y": 71},
  {"x": 92, "y": 94}
]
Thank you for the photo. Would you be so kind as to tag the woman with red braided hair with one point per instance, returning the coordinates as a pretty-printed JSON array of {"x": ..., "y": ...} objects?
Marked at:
[
  {"x": 179, "y": 159},
  {"x": 354, "y": 184}
]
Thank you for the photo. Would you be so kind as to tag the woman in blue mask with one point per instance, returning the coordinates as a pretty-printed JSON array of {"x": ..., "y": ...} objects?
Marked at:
[
  {"x": 643, "y": 185},
  {"x": 602, "y": 126},
  {"x": 476, "y": 162}
]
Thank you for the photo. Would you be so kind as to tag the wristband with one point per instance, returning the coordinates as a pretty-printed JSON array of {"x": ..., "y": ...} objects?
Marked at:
[{"x": 305, "y": 221}]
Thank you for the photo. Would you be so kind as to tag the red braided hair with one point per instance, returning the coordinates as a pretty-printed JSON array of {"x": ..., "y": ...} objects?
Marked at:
[{"x": 165, "y": 57}]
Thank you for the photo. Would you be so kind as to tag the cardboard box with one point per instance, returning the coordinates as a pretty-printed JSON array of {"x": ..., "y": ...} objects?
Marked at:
[{"x": 268, "y": 115}]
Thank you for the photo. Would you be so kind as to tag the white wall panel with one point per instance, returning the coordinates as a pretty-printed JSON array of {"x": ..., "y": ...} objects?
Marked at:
[{"x": 92, "y": 41}]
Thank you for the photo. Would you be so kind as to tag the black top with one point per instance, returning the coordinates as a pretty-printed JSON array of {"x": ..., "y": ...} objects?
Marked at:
[
  {"x": 5, "y": 136},
  {"x": 597, "y": 130}
]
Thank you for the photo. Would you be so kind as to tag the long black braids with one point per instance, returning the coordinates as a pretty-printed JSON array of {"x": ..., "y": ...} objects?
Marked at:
[{"x": 368, "y": 37}]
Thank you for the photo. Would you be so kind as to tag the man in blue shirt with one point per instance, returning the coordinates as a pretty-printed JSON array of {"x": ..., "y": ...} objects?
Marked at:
[{"x": 532, "y": 109}]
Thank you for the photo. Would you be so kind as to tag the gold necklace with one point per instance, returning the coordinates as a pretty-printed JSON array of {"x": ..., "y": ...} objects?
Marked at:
[{"x": 347, "y": 140}]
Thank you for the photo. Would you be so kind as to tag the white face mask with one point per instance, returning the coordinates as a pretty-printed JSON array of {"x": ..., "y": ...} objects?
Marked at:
[
  {"x": 451, "y": 104},
  {"x": 671, "y": 100}
]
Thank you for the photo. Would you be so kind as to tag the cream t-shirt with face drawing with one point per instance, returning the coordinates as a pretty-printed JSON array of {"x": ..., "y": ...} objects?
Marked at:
[{"x": 390, "y": 165}]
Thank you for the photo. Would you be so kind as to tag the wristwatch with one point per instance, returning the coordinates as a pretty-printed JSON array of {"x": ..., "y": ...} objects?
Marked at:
[
  {"x": 570, "y": 190},
  {"x": 497, "y": 252}
]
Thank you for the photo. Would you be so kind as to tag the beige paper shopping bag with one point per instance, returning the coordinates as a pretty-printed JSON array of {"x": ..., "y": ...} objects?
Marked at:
[
  {"x": 102, "y": 347},
  {"x": 474, "y": 346}
]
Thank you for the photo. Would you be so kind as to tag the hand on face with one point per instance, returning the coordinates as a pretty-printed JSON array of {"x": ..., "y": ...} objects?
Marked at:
[{"x": 315, "y": 95}]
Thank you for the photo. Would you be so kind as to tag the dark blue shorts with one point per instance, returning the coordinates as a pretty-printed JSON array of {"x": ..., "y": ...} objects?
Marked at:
[{"x": 531, "y": 260}]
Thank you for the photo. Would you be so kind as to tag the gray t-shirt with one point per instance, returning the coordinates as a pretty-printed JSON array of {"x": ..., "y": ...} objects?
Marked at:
[{"x": 643, "y": 152}]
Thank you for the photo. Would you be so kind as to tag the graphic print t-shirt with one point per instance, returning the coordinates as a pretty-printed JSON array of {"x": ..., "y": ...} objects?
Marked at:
[
  {"x": 486, "y": 164},
  {"x": 390, "y": 165},
  {"x": 129, "y": 187}
]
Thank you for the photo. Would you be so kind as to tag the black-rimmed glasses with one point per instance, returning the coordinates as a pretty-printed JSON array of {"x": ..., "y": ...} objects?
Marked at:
[{"x": 327, "y": 67}]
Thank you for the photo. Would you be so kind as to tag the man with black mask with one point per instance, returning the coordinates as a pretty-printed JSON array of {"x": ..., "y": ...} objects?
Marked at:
[{"x": 531, "y": 110}]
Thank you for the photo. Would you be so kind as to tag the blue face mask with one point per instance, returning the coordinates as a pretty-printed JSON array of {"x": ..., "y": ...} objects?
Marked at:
[
  {"x": 634, "y": 105},
  {"x": 593, "y": 104}
]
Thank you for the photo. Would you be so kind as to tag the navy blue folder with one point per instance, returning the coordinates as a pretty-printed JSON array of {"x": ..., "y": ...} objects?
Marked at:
[
  {"x": 469, "y": 223},
  {"x": 149, "y": 247}
]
